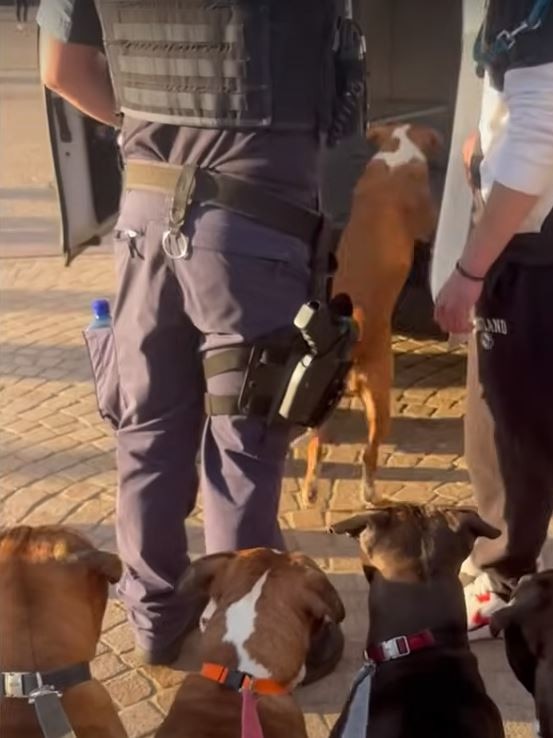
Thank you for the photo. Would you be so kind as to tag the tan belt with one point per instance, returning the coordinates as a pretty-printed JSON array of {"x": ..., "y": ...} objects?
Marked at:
[{"x": 190, "y": 184}]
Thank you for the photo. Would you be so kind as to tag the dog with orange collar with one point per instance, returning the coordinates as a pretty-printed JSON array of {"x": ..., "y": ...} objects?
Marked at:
[
  {"x": 264, "y": 607},
  {"x": 419, "y": 677}
]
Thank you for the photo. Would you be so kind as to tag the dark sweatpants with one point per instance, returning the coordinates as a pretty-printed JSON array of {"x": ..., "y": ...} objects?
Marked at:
[
  {"x": 509, "y": 418},
  {"x": 241, "y": 281}
]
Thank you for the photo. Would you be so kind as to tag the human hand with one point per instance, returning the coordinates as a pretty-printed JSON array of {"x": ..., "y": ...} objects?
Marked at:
[
  {"x": 468, "y": 152},
  {"x": 455, "y": 302}
]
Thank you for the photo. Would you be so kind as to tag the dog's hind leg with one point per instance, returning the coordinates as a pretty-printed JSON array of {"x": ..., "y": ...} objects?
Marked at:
[
  {"x": 309, "y": 490},
  {"x": 374, "y": 390}
]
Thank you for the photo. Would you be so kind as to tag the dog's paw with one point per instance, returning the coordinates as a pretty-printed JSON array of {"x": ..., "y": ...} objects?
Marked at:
[
  {"x": 367, "y": 490},
  {"x": 309, "y": 495}
]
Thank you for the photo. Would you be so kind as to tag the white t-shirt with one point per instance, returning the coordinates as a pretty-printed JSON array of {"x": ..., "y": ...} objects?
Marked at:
[{"x": 516, "y": 130}]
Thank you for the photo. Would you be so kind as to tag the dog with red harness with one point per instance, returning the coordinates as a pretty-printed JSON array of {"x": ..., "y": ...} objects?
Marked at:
[{"x": 264, "y": 607}]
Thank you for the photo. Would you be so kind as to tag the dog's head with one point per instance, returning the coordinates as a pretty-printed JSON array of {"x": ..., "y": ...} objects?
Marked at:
[
  {"x": 54, "y": 584},
  {"x": 389, "y": 136},
  {"x": 415, "y": 543},
  {"x": 263, "y": 608},
  {"x": 411, "y": 148}
]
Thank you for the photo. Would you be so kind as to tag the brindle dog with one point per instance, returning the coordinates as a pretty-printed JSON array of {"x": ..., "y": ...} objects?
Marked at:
[{"x": 411, "y": 557}]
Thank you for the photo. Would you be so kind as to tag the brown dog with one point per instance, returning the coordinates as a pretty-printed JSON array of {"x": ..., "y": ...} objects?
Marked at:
[
  {"x": 426, "y": 682},
  {"x": 528, "y": 627},
  {"x": 53, "y": 589},
  {"x": 263, "y": 608},
  {"x": 392, "y": 208}
]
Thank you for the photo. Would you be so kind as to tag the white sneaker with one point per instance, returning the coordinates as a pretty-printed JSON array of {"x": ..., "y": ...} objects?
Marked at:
[
  {"x": 20, "y": 26},
  {"x": 537, "y": 729},
  {"x": 481, "y": 602}
]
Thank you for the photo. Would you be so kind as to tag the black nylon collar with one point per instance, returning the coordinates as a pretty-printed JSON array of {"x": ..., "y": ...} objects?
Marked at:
[{"x": 21, "y": 685}]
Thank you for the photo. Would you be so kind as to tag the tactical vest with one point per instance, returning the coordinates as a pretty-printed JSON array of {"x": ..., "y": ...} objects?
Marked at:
[
  {"x": 248, "y": 64},
  {"x": 531, "y": 49}
]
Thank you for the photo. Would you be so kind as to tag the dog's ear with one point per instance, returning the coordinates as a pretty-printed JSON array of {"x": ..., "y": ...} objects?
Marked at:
[
  {"x": 379, "y": 134},
  {"x": 431, "y": 142},
  {"x": 197, "y": 579},
  {"x": 104, "y": 563},
  {"x": 352, "y": 527},
  {"x": 469, "y": 524},
  {"x": 320, "y": 598},
  {"x": 372, "y": 520}
]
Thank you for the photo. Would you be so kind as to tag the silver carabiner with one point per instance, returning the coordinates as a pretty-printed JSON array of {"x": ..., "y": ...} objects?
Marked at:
[{"x": 176, "y": 245}]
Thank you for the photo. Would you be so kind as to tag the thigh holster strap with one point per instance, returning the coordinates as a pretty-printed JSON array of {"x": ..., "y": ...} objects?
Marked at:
[{"x": 232, "y": 359}]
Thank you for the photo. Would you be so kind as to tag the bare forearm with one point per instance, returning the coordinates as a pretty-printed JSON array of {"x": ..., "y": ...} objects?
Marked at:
[
  {"x": 505, "y": 211},
  {"x": 80, "y": 75}
]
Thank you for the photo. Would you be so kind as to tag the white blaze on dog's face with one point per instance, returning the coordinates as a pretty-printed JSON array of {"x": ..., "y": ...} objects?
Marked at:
[
  {"x": 405, "y": 152},
  {"x": 404, "y": 180},
  {"x": 263, "y": 607},
  {"x": 399, "y": 145}
]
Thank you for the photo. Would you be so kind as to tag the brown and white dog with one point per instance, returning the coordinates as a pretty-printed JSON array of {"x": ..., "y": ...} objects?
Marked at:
[
  {"x": 528, "y": 628},
  {"x": 54, "y": 589},
  {"x": 262, "y": 610},
  {"x": 426, "y": 682},
  {"x": 392, "y": 209}
]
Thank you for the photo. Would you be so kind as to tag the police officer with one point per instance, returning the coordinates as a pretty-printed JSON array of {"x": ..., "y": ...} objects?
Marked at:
[
  {"x": 506, "y": 274},
  {"x": 223, "y": 108}
]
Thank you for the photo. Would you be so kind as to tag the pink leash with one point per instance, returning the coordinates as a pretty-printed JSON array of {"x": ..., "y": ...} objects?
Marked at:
[{"x": 251, "y": 725}]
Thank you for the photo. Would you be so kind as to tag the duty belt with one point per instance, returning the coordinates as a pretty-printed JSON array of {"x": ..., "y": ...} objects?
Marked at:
[
  {"x": 190, "y": 184},
  {"x": 43, "y": 690}
]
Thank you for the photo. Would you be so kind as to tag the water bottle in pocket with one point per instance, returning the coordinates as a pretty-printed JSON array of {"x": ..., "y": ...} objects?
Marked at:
[{"x": 100, "y": 342}]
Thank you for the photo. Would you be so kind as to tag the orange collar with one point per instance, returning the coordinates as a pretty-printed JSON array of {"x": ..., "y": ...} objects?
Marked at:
[{"x": 239, "y": 680}]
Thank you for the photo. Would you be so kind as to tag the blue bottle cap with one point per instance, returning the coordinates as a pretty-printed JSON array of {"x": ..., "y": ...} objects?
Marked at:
[{"x": 100, "y": 308}]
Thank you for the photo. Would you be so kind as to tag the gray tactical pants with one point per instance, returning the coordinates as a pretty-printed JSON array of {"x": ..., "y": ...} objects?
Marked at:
[{"x": 240, "y": 282}]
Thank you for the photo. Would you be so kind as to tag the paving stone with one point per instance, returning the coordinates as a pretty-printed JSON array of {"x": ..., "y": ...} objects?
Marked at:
[
  {"x": 141, "y": 720},
  {"x": 306, "y": 519},
  {"x": 346, "y": 495},
  {"x": 82, "y": 491},
  {"x": 107, "y": 666},
  {"x": 130, "y": 689},
  {"x": 119, "y": 639}
]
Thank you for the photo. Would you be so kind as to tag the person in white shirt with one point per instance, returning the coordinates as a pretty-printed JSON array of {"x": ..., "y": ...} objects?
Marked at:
[{"x": 504, "y": 279}]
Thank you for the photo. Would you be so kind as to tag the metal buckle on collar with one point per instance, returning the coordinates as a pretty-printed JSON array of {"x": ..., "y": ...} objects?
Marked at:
[
  {"x": 44, "y": 690},
  {"x": 237, "y": 680},
  {"x": 13, "y": 686},
  {"x": 396, "y": 648}
]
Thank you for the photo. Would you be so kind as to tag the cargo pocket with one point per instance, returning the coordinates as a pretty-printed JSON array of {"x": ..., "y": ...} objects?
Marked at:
[{"x": 103, "y": 359}]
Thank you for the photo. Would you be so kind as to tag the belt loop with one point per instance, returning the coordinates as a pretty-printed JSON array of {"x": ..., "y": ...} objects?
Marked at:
[{"x": 175, "y": 244}]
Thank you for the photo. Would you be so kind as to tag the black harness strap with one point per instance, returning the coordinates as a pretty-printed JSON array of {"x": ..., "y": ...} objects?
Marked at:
[
  {"x": 43, "y": 690},
  {"x": 21, "y": 684},
  {"x": 51, "y": 716}
]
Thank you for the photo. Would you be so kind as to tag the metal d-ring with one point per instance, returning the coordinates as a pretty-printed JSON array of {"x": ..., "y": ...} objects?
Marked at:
[{"x": 175, "y": 244}]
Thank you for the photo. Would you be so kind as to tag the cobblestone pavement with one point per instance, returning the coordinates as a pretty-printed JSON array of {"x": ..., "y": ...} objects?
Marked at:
[{"x": 57, "y": 461}]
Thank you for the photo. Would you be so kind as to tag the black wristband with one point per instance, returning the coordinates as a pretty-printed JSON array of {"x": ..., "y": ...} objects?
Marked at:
[{"x": 467, "y": 275}]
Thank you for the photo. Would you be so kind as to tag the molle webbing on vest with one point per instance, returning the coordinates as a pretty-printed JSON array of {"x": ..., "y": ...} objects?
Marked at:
[{"x": 231, "y": 63}]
